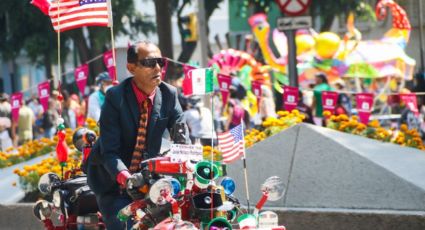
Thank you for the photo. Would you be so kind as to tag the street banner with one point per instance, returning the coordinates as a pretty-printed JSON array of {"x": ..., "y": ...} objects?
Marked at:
[
  {"x": 109, "y": 63},
  {"x": 256, "y": 89},
  {"x": 329, "y": 99},
  {"x": 81, "y": 74},
  {"x": 290, "y": 97},
  {"x": 44, "y": 94},
  {"x": 410, "y": 100},
  {"x": 224, "y": 83},
  {"x": 364, "y": 105},
  {"x": 15, "y": 101}
]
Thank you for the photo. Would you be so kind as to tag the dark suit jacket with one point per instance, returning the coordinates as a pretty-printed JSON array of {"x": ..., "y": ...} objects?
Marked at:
[{"x": 119, "y": 121}]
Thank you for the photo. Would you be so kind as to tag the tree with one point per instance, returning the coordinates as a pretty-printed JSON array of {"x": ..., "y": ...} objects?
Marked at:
[
  {"x": 325, "y": 10},
  {"x": 30, "y": 33},
  {"x": 189, "y": 45},
  {"x": 126, "y": 21},
  {"x": 163, "y": 10}
]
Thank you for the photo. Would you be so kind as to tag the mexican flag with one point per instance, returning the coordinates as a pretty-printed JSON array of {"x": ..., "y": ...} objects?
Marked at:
[{"x": 198, "y": 82}]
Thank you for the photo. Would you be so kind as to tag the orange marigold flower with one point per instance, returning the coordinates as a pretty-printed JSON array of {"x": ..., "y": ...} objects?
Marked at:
[
  {"x": 326, "y": 113},
  {"x": 403, "y": 128}
]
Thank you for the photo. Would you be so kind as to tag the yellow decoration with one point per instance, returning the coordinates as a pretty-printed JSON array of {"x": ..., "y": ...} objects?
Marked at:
[
  {"x": 261, "y": 28},
  {"x": 305, "y": 43},
  {"x": 327, "y": 44}
]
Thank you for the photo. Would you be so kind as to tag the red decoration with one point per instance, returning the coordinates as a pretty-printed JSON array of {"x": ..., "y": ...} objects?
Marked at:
[
  {"x": 60, "y": 97},
  {"x": 400, "y": 18},
  {"x": 62, "y": 148},
  {"x": 293, "y": 7}
]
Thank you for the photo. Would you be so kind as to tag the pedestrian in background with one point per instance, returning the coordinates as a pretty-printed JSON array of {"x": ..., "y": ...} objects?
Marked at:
[
  {"x": 97, "y": 98},
  {"x": 321, "y": 85},
  {"x": 25, "y": 124},
  {"x": 5, "y": 122}
]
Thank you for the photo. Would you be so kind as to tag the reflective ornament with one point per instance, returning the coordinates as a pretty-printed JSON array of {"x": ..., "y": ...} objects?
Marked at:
[{"x": 229, "y": 185}]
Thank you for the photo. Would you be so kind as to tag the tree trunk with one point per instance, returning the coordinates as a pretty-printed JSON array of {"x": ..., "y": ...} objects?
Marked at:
[
  {"x": 97, "y": 48},
  {"x": 163, "y": 21},
  {"x": 48, "y": 65},
  {"x": 81, "y": 45},
  {"x": 187, "y": 50}
]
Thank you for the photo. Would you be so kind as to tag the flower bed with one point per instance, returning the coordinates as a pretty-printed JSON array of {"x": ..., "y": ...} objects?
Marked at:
[
  {"x": 29, "y": 175},
  {"x": 373, "y": 130},
  {"x": 26, "y": 152}
]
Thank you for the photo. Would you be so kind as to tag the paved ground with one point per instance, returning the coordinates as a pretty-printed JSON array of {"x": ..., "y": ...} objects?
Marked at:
[{"x": 10, "y": 194}]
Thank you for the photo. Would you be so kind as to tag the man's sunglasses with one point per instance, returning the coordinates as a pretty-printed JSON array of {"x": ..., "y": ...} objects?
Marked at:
[{"x": 151, "y": 62}]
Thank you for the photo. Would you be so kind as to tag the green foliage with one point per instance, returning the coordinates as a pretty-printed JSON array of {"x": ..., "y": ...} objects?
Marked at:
[
  {"x": 328, "y": 9},
  {"x": 26, "y": 30}
]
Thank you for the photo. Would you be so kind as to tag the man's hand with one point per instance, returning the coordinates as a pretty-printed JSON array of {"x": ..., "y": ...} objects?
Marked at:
[{"x": 134, "y": 184}]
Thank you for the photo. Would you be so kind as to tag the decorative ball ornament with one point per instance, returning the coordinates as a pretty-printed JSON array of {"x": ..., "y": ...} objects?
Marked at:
[
  {"x": 115, "y": 82},
  {"x": 327, "y": 44}
]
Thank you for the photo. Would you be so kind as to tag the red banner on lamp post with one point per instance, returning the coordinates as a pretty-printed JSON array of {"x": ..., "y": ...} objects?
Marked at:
[
  {"x": 15, "y": 101},
  {"x": 81, "y": 74},
  {"x": 109, "y": 63},
  {"x": 256, "y": 89},
  {"x": 411, "y": 102},
  {"x": 364, "y": 105},
  {"x": 290, "y": 97},
  {"x": 329, "y": 99},
  {"x": 224, "y": 83},
  {"x": 44, "y": 94}
]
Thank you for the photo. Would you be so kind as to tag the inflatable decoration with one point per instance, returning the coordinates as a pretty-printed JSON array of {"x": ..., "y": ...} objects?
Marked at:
[
  {"x": 261, "y": 28},
  {"x": 305, "y": 43},
  {"x": 400, "y": 31},
  {"x": 230, "y": 61},
  {"x": 347, "y": 57},
  {"x": 327, "y": 44}
]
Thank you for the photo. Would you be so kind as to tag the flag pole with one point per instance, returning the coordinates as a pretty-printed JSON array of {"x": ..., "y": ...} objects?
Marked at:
[
  {"x": 56, "y": 78},
  {"x": 245, "y": 166},
  {"x": 212, "y": 157},
  {"x": 111, "y": 23}
]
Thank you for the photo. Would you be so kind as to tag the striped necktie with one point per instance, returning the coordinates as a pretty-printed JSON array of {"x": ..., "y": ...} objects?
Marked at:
[{"x": 141, "y": 138}]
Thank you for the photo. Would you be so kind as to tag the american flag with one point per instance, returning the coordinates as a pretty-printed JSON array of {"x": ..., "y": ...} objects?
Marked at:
[
  {"x": 71, "y": 14},
  {"x": 231, "y": 144}
]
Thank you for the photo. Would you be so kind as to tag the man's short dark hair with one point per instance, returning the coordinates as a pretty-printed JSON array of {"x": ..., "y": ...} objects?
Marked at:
[{"x": 132, "y": 51}]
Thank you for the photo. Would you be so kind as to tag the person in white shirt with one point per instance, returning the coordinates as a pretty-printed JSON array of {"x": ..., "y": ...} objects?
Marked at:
[
  {"x": 200, "y": 123},
  {"x": 97, "y": 98}
]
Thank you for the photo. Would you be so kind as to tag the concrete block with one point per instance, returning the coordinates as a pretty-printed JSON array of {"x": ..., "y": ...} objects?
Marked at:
[{"x": 330, "y": 169}]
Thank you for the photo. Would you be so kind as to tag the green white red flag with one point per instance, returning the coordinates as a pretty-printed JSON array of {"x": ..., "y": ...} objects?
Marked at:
[{"x": 198, "y": 82}]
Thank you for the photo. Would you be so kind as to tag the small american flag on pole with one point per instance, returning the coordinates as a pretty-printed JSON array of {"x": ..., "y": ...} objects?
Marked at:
[
  {"x": 231, "y": 144},
  {"x": 71, "y": 14}
]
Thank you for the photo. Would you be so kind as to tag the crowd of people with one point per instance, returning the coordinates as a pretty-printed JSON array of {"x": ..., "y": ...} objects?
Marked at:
[
  {"x": 35, "y": 122},
  {"x": 134, "y": 115},
  {"x": 309, "y": 104}
]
